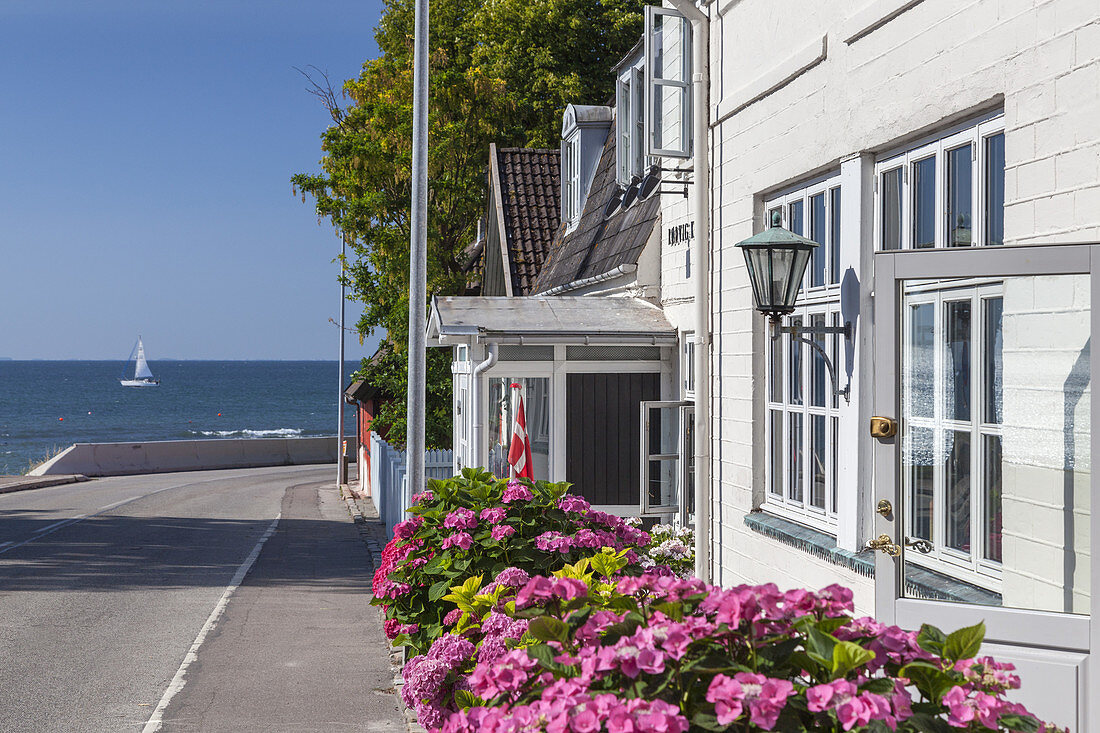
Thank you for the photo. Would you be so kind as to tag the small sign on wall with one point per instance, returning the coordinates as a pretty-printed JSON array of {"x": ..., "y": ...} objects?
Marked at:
[{"x": 681, "y": 233}]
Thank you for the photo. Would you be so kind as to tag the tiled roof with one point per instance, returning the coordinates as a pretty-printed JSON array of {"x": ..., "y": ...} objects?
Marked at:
[
  {"x": 530, "y": 193},
  {"x": 598, "y": 244}
]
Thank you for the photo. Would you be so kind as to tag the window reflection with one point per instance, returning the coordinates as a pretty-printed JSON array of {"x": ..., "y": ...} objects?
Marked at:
[
  {"x": 959, "y": 203},
  {"x": 924, "y": 203}
]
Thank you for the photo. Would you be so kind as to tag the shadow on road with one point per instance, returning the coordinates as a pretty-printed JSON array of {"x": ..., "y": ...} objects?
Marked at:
[{"x": 113, "y": 553}]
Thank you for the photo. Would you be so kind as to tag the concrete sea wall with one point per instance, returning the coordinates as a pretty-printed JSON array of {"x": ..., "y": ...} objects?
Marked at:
[{"x": 118, "y": 459}]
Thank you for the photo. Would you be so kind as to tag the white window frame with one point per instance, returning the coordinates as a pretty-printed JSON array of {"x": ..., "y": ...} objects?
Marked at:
[
  {"x": 974, "y": 134},
  {"x": 687, "y": 364},
  {"x": 630, "y": 155},
  {"x": 822, "y": 301},
  {"x": 571, "y": 180},
  {"x": 658, "y": 84},
  {"x": 969, "y": 567}
]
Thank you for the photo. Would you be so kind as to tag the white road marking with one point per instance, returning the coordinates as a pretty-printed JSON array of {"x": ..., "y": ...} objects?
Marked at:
[{"x": 178, "y": 681}]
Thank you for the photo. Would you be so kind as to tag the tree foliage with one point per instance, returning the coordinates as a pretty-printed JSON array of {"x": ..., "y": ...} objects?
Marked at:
[{"x": 500, "y": 72}]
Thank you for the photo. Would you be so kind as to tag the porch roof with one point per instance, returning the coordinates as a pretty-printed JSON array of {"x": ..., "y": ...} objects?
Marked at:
[{"x": 559, "y": 319}]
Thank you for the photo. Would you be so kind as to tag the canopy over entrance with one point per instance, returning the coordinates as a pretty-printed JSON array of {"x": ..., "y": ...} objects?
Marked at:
[{"x": 559, "y": 319}]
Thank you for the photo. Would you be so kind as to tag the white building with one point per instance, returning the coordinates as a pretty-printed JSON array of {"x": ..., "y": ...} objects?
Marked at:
[
  {"x": 931, "y": 148},
  {"x": 946, "y": 158}
]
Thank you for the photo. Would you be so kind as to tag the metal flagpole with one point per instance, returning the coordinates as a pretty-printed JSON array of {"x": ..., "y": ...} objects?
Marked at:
[
  {"x": 342, "y": 467},
  {"x": 418, "y": 247}
]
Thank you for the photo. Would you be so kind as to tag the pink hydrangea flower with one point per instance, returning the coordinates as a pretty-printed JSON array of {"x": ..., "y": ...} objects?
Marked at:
[
  {"x": 502, "y": 531},
  {"x": 516, "y": 492},
  {"x": 494, "y": 515},
  {"x": 459, "y": 539},
  {"x": 461, "y": 518}
]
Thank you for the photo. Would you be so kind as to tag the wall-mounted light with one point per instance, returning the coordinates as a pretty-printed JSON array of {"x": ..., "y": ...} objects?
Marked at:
[
  {"x": 776, "y": 260},
  {"x": 631, "y": 191}
]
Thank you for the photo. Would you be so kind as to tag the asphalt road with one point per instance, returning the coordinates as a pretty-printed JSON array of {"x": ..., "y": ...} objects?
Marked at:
[{"x": 120, "y": 611}]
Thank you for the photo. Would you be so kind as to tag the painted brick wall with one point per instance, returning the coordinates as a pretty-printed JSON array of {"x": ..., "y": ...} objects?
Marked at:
[{"x": 791, "y": 99}]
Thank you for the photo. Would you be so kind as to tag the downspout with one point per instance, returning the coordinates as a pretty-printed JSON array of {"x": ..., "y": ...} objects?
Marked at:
[
  {"x": 475, "y": 399},
  {"x": 700, "y": 29}
]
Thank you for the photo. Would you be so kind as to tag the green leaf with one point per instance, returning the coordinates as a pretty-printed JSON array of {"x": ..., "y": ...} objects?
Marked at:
[
  {"x": 466, "y": 699},
  {"x": 926, "y": 723},
  {"x": 879, "y": 686},
  {"x": 548, "y": 628},
  {"x": 819, "y": 644},
  {"x": 931, "y": 639},
  {"x": 707, "y": 721},
  {"x": 964, "y": 643},
  {"x": 438, "y": 590},
  {"x": 932, "y": 681},
  {"x": 1017, "y": 722},
  {"x": 542, "y": 653},
  {"x": 674, "y": 611},
  {"x": 847, "y": 656}
]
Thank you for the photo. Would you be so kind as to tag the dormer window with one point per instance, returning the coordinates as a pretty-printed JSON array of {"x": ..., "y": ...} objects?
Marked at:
[
  {"x": 571, "y": 179},
  {"x": 583, "y": 134}
]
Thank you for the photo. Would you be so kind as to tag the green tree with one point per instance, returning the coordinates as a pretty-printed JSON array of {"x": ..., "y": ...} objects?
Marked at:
[{"x": 499, "y": 72}]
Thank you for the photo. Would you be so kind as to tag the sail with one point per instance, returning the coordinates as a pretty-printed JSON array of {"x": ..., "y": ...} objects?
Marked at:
[{"x": 141, "y": 367}]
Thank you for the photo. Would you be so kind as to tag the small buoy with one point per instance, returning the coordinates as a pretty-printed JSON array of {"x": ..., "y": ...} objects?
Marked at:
[
  {"x": 219, "y": 414},
  {"x": 89, "y": 412},
  {"x": 60, "y": 418}
]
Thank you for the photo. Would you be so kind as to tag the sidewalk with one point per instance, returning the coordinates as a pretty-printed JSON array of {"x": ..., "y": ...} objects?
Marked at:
[
  {"x": 373, "y": 534},
  {"x": 299, "y": 647},
  {"x": 23, "y": 483}
]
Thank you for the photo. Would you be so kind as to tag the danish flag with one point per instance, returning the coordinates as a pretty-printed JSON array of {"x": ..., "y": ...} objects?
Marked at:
[{"x": 519, "y": 452}]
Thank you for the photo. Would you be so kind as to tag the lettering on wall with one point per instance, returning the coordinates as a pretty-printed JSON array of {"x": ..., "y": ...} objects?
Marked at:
[{"x": 681, "y": 233}]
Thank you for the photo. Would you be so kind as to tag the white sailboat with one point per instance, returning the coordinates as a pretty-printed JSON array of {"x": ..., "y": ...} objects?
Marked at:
[{"x": 143, "y": 377}]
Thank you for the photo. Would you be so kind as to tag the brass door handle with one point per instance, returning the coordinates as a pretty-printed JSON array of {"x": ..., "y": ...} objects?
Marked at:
[{"x": 883, "y": 543}]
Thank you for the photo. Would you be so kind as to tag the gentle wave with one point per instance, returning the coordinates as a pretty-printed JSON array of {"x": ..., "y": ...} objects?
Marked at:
[{"x": 276, "y": 433}]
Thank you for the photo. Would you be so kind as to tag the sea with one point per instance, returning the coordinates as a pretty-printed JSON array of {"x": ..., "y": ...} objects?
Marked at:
[{"x": 46, "y": 406}]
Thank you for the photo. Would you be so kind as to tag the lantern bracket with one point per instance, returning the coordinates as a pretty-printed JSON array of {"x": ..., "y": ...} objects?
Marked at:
[{"x": 798, "y": 333}]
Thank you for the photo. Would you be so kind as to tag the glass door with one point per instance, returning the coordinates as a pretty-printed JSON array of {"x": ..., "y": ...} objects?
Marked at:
[
  {"x": 982, "y": 362},
  {"x": 666, "y": 457}
]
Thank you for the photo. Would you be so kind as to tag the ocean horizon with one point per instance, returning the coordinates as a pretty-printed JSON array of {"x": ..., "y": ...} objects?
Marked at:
[{"x": 46, "y": 405}]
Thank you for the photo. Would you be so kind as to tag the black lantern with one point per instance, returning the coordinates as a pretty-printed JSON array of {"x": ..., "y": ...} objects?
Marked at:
[{"x": 776, "y": 260}]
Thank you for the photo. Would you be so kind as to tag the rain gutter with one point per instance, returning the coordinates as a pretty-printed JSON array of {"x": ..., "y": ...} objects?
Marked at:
[
  {"x": 475, "y": 390},
  {"x": 585, "y": 282}
]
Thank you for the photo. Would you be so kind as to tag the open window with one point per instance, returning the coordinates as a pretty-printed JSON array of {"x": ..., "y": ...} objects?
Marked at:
[
  {"x": 666, "y": 453},
  {"x": 667, "y": 117}
]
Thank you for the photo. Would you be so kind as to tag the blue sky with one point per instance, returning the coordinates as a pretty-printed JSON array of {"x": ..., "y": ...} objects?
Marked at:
[{"x": 146, "y": 150}]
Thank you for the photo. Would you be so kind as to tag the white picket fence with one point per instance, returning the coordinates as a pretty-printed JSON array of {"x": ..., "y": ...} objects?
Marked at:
[{"x": 388, "y": 483}]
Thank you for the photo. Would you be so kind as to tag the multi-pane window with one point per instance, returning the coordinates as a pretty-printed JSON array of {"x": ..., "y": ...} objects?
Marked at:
[
  {"x": 952, "y": 408},
  {"x": 668, "y": 91},
  {"x": 803, "y": 420},
  {"x": 571, "y": 179},
  {"x": 687, "y": 364},
  {"x": 945, "y": 193},
  {"x": 630, "y": 154}
]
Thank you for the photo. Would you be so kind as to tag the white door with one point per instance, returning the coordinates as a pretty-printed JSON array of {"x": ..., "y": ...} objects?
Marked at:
[{"x": 982, "y": 359}]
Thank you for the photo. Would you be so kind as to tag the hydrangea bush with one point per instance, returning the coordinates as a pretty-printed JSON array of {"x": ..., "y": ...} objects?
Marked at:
[
  {"x": 660, "y": 653},
  {"x": 475, "y": 525},
  {"x": 669, "y": 547}
]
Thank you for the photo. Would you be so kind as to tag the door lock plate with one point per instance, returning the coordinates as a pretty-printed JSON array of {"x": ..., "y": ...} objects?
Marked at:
[
  {"x": 885, "y": 508},
  {"x": 883, "y": 427}
]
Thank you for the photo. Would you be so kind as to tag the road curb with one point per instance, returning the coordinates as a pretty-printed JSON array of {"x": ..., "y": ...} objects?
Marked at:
[
  {"x": 373, "y": 534},
  {"x": 10, "y": 484}
]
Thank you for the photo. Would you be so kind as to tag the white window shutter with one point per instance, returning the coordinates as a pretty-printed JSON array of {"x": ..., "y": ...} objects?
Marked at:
[{"x": 667, "y": 117}]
